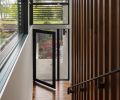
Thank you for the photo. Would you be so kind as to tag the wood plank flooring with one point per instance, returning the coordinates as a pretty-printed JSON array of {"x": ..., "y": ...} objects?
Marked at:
[{"x": 40, "y": 93}]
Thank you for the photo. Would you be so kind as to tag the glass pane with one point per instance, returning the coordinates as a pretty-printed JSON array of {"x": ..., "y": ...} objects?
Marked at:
[
  {"x": 8, "y": 21},
  {"x": 50, "y": 14},
  {"x": 44, "y": 57},
  {"x": 49, "y": 1}
]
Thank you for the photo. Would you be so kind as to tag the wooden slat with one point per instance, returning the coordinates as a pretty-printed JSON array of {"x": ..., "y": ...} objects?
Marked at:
[
  {"x": 103, "y": 47},
  {"x": 78, "y": 48},
  {"x": 110, "y": 48},
  {"x": 98, "y": 54},
  {"x": 93, "y": 50},
  {"x": 85, "y": 64},
  {"x": 87, "y": 49},
  {"x": 100, "y": 46},
  {"x": 77, "y": 41},
  {"x": 75, "y": 50},
  {"x": 118, "y": 48},
  {"x": 95, "y": 39},
  {"x": 106, "y": 48},
  {"x": 113, "y": 48},
  {"x": 83, "y": 45},
  {"x": 81, "y": 32},
  {"x": 90, "y": 46}
]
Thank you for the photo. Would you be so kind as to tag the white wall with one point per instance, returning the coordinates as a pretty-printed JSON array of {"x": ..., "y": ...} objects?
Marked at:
[
  {"x": 19, "y": 86},
  {"x": 64, "y": 61}
]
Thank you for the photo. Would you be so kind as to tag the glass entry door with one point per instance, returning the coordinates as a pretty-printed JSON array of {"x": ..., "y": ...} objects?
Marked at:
[{"x": 44, "y": 51}]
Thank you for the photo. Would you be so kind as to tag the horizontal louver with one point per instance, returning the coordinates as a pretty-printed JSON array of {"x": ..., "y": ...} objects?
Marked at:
[
  {"x": 45, "y": 13},
  {"x": 49, "y": 1},
  {"x": 49, "y": 11}
]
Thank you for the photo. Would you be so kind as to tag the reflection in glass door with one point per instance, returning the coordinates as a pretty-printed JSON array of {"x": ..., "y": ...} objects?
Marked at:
[{"x": 44, "y": 52}]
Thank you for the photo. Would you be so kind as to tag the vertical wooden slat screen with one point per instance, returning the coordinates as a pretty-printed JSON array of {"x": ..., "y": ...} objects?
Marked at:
[{"x": 96, "y": 49}]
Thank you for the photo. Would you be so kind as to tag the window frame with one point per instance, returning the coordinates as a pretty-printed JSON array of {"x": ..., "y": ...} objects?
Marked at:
[{"x": 48, "y": 3}]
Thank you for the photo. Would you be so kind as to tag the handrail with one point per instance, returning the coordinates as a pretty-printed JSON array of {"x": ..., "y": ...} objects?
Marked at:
[{"x": 70, "y": 89}]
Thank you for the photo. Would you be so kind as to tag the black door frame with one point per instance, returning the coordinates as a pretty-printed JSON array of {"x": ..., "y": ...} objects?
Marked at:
[
  {"x": 53, "y": 56},
  {"x": 58, "y": 55}
]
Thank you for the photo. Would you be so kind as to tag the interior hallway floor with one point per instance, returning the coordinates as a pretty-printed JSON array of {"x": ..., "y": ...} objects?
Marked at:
[{"x": 41, "y": 93}]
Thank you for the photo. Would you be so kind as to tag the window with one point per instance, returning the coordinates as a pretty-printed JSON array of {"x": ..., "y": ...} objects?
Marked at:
[
  {"x": 13, "y": 30},
  {"x": 49, "y": 12},
  {"x": 8, "y": 21},
  {"x": 13, "y": 24}
]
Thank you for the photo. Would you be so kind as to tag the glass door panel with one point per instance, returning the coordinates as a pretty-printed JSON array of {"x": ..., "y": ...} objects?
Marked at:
[{"x": 45, "y": 57}]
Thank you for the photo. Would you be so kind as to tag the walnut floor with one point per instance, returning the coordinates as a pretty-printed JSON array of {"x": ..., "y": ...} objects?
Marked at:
[{"x": 40, "y": 93}]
